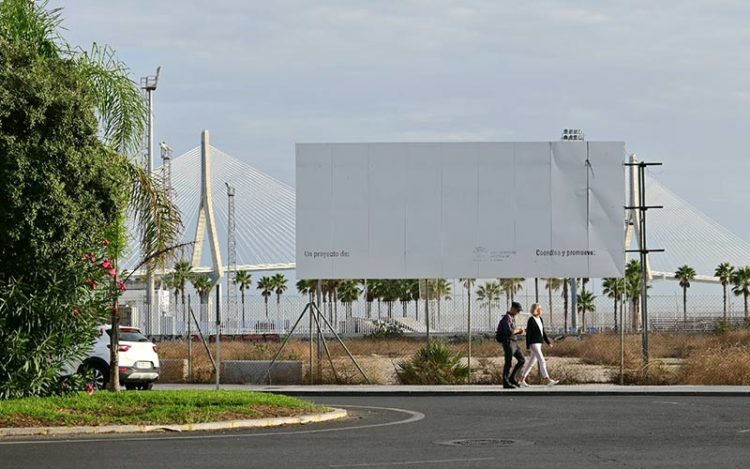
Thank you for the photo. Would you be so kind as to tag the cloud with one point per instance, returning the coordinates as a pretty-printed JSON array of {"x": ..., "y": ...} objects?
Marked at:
[{"x": 266, "y": 74}]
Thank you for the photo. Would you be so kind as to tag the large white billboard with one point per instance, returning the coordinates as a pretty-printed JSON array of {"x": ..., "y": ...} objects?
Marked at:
[{"x": 460, "y": 210}]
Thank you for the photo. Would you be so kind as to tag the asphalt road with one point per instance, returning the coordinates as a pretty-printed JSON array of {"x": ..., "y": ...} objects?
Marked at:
[{"x": 440, "y": 432}]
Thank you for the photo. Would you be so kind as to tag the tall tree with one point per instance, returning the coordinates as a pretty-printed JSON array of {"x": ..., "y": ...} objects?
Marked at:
[
  {"x": 348, "y": 293},
  {"x": 489, "y": 295},
  {"x": 265, "y": 285},
  {"x": 684, "y": 274},
  {"x": 202, "y": 284},
  {"x": 278, "y": 282},
  {"x": 741, "y": 282},
  {"x": 633, "y": 281},
  {"x": 468, "y": 283},
  {"x": 585, "y": 303},
  {"x": 552, "y": 285},
  {"x": 440, "y": 289},
  {"x": 614, "y": 288},
  {"x": 511, "y": 286},
  {"x": 306, "y": 287},
  {"x": 183, "y": 272},
  {"x": 69, "y": 122},
  {"x": 724, "y": 271},
  {"x": 243, "y": 280}
]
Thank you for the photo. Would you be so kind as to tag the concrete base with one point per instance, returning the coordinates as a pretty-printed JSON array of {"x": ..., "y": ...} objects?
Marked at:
[{"x": 254, "y": 371}]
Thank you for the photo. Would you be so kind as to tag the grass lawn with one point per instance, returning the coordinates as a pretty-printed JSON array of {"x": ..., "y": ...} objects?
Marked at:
[{"x": 149, "y": 407}]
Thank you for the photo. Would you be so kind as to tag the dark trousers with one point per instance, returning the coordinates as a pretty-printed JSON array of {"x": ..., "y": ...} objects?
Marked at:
[{"x": 511, "y": 349}]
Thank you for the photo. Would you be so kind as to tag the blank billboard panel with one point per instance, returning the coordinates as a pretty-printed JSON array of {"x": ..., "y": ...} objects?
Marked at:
[{"x": 456, "y": 210}]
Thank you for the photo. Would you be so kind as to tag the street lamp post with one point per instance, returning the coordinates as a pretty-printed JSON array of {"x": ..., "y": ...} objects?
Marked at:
[{"x": 148, "y": 84}]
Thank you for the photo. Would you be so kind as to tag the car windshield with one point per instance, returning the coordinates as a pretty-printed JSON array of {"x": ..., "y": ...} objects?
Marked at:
[{"x": 130, "y": 335}]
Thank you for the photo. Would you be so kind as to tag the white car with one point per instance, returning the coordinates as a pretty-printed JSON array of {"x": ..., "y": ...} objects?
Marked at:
[{"x": 139, "y": 362}]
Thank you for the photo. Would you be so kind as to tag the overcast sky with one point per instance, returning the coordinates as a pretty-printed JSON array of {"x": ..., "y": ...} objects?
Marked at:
[{"x": 670, "y": 78}]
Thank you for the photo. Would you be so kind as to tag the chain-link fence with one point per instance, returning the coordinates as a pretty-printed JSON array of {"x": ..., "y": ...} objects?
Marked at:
[
  {"x": 447, "y": 316},
  {"x": 383, "y": 337}
]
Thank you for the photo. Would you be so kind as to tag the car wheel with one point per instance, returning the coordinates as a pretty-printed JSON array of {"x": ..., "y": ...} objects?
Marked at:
[
  {"x": 100, "y": 374},
  {"x": 146, "y": 386},
  {"x": 131, "y": 387}
]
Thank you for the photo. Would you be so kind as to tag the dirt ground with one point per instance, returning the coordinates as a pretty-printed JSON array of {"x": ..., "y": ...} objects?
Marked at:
[{"x": 382, "y": 370}]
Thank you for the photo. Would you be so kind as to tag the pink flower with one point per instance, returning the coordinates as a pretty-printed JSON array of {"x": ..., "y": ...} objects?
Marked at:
[
  {"x": 106, "y": 264},
  {"x": 121, "y": 285},
  {"x": 91, "y": 282},
  {"x": 89, "y": 256},
  {"x": 105, "y": 243},
  {"x": 90, "y": 389},
  {"x": 76, "y": 312},
  {"x": 112, "y": 272}
]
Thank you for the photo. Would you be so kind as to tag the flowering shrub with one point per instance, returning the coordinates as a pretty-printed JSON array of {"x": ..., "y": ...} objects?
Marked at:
[
  {"x": 386, "y": 330},
  {"x": 61, "y": 320}
]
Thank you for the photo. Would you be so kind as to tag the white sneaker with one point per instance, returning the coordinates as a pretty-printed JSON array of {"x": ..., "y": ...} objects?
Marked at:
[
  {"x": 552, "y": 382},
  {"x": 524, "y": 384}
]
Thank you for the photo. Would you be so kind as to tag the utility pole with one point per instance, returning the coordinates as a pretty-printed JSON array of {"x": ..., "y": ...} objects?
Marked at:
[
  {"x": 640, "y": 209},
  {"x": 148, "y": 84},
  {"x": 166, "y": 174}
]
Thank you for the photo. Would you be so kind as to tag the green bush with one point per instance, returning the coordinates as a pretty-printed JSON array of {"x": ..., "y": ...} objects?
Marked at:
[
  {"x": 40, "y": 332},
  {"x": 435, "y": 363},
  {"x": 60, "y": 198}
]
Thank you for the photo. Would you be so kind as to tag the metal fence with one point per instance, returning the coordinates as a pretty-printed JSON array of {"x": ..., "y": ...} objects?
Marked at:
[{"x": 448, "y": 316}]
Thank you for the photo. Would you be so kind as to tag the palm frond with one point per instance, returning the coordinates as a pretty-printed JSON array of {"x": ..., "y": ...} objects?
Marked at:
[
  {"x": 33, "y": 24},
  {"x": 155, "y": 214},
  {"x": 121, "y": 109}
]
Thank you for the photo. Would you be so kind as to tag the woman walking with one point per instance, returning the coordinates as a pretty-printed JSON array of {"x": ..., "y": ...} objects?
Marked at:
[{"x": 535, "y": 334}]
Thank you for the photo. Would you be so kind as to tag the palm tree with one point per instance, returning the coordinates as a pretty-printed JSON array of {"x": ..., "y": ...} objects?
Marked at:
[
  {"x": 279, "y": 286},
  {"x": 202, "y": 284},
  {"x": 633, "y": 282},
  {"x": 724, "y": 271},
  {"x": 265, "y": 285},
  {"x": 511, "y": 286},
  {"x": 552, "y": 285},
  {"x": 405, "y": 294},
  {"x": 348, "y": 293},
  {"x": 585, "y": 304},
  {"x": 440, "y": 289},
  {"x": 489, "y": 294},
  {"x": 306, "y": 287},
  {"x": 614, "y": 288},
  {"x": 171, "y": 283},
  {"x": 741, "y": 282},
  {"x": 183, "y": 272},
  {"x": 243, "y": 279},
  {"x": 412, "y": 290},
  {"x": 467, "y": 283},
  {"x": 684, "y": 274}
]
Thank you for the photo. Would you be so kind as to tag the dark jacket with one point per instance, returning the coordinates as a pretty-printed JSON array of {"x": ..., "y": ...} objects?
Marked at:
[
  {"x": 533, "y": 334},
  {"x": 504, "y": 330}
]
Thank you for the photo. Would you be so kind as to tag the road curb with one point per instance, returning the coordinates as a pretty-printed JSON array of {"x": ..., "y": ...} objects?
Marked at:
[
  {"x": 507, "y": 393},
  {"x": 334, "y": 414}
]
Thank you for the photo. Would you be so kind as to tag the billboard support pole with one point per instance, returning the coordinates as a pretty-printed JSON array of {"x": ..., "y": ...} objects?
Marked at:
[{"x": 312, "y": 309}]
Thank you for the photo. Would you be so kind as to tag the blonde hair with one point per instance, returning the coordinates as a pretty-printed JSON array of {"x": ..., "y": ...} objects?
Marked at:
[{"x": 533, "y": 308}]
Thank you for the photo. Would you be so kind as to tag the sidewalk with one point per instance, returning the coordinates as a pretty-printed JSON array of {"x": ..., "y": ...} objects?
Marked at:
[{"x": 477, "y": 390}]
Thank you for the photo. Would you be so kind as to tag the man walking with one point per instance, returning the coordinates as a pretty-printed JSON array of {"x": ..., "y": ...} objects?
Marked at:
[{"x": 509, "y": 335}]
